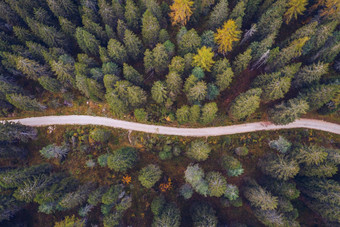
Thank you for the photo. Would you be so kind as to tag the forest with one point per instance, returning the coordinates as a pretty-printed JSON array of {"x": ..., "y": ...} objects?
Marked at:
[{"x": 181, "y": 63}]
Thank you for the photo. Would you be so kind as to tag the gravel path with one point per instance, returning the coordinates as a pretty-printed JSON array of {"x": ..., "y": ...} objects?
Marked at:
[{"x": 195, "y": 132}]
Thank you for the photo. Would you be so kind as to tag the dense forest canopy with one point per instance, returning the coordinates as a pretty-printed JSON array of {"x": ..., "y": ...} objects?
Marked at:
[{"x": 202, "y": 62}]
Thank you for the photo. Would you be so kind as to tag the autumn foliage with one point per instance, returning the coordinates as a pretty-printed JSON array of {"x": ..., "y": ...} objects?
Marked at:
[
  {"x": 204, "y": 58},
  {"x": 181, "y": 11},
  {"x": 295, "y": 8},
  {"x": 226, "y": 36}
]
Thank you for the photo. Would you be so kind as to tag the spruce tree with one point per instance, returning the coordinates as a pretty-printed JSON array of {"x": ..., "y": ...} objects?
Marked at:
[
  {"x": 131, "y": 74},
  {"x": 132, "y": 15},
  {"x": 134, "y": 46},
  {"x": 24, "y": 102},
  {"x": 189, "y": 42},
  {"x": 245, "y": 104},
  {"x": 319, "y": 95},
  {"x": 309, "y": 74},
  {"x": 159, "y": 92},
  {"x": 241, "y": 62},
  {"x": 117, "y": 51},
  {"x": 86, "y": 41},
  {"x": 219, "y": 15},
  {"x": 150, "y": 29},
  {"x": 209, "y": 111},
  {"x": 161, "y": 58}
]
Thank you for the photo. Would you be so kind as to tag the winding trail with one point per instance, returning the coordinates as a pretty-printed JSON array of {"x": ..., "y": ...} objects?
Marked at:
[{"x": 194, "y": 132}]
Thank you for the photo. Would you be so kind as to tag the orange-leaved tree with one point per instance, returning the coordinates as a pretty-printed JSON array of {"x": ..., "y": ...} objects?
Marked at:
[
  {"x": 204, "y": 58},
  {"x": 181, "y": 11},
  {"x": 295, "y": 8},
  {"x": 226, "y": 35}
]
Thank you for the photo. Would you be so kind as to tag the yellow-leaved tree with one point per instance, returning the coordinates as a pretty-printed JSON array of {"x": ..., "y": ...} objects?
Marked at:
[
  {"x": 180, "y": 12},
  {"x": 295, "y": 8},
  {"x": 204, "y": 58},
  {"x": 331, "y": 9},
  {"x": 226, "y": 35}
]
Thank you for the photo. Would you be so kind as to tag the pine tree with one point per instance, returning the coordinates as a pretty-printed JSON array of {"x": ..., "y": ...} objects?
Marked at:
[
  {"x": 24, "y": 102},
  {"x": 76, "y": 198},
  {"x": 183, "y": 114},
  {"x": 295, "y": 8},
  {"x": 149, "y": 175},
  {"x": 133, "y": 44},
  {"x": 189, "y": 42},
  {"x": 170, "y": 215},
  {"x": 195, "y": 113},
  {"x": 204, "y": 58},
  {"x": 67, "y": 26},
  {"x": 107, "y": 13},
  {"x": 94, "y": 28},
  {"x": 63, "y": 8},
  {"x": 150, "y": 29},
  {"x": 95, "y": 89},
  {"x": 198, "y": 150},
  {"x": 219, "y": 15},
  {"x": 232, "y": 166},
  {"x": 12, "y": 132},
  {"x": 261, "y": 198},
  {"x": 213, "y": 91},
  {"x": 82, "y": 86},
  {"x": 161, "y": 58},
  {"x": 309, "y": 74},
  {"x": 159, "y": 92},
  {"x": 86, "y": 41},
  {"x": 132, "y": 15},
  {"x": 241, "y": 62},
  {"x": 181, "y": 10},
  {"x": 279, "y": 167},
  {"x": 50, "y": 84},
  {"x": 238, "y": 13},
  {"x": 209, "y": 111},
  {"x": 117, "y": 51},
  {"x": 194, "y": 175},
  {"x": 197, "y": 92},
  {"x": 289, "y": 111},
  {"x": 154, "y": 8},
  {"x": 319, "y": 95},
  {"x": 177, "y": 65},
  {"x": 31, "y": 68},
  {"x": 245, "y": 104},
  {"x": 118, "y": 107},
  {"x": 64, "y": 69},
  {"x": 217, "y": 184},
  {"x": 274, "y": 86},
  {"x": 122, "y": 159},
  {"x": 163, "y": 35},
  {"x": 226, "y": 36},
  {"x": 282, "y": 145},
  {"x": 131, "y": 74},
  {"x": 203, "y": 215},
  {"x": 54, "y": 151},
  {"x": 174, "y": 83},
  {"x": 148, "y": 61}
]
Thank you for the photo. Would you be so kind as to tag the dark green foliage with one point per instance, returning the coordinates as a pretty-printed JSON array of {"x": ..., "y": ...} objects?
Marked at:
[
  {"x": 100, "y": 135},
  {"x": 289, "y": 111},
  {"x": 50, "y": 84},
  {"x": 131, "y": 74},
  {"x": 76, "y": 198},
  {"x": 170, "y": 215},
  {"x": 319, "y": 95},
  {"x": 231, "y": 165},
  {"x": 242, "y": 61},
  {"x": 12, "y": 132},
  {"x": 54, "y": 151},
  {"x": 183, "y": 114},
  {"x": 198, "y": 72},
  {"x": 163, "y": 36},
  {"x": 117, "y": 51},
  {"x": 309, "y": 74},
  {"x": 9, "y": 206},
  {"x": 149, "y": 175},
  {"x": 157, "y": 205},
  {"x": 261, "y": 198},
  {"x": 194, "y": 175},
  {"x": 245, "y": 104},
  {"x": 150, "y": 29},
  {"x": 203, "y": 214},
  {"x": 219, "y": 15},
  {"x": 64, "y": 8},
  {"x": 217, "y": 184},
  {"x": 161, "y": 58},
  {"x": 231, "y": 192},
  {"x": 134, "y": 46},
  {"x": 189, "y": 42},
  {"x": 174, "y": 84},
  {"x": 132, "y": 15},
  {"x": 140, "y": 115},
  {"x": 198, "y": 150},
  {"x": 24, "y": 102},
  {"x": 122, "y": 159},
  {"x": 209, "y": 111},
  {"x": 112, "y": 195},
  {"x": 207, "y": 39},
  {"x": 281, "y": 144},
  {"x": 159, "y": 92}
]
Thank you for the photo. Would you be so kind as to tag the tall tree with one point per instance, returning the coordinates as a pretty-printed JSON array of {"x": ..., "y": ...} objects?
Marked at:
[
  {"x": 181, "y": 10},
  {"x": 309, "y": 74},
  {"x": 161, "y": 58},
  {"x": 245, "y": 104},
  {"x": 134, "y": 46},
  {"x": 86, "y": 41},
  {"x": 242, "y": 60},
  {"x": 24, "y": 102},
  {"x": 197, "y": 92},
  {"x": 14, "y": 132},
  {"x": 295, "y": 8},
  {"x": 132, "y": 15},
  {"x": 131, "y": 74},
  {"x": 117, "y": 51},
  {"x": 159, "y": 92},
  {"x": 226, "y": 36},
  {"x": 150, "y": 29},
  {"x": 319, "y": 95},
  {"x": 209, "y": 111},
  {"x": 189, "y": 42},
  {"x": 204, "y": 58},
  {"x": 174, "y": 83},
  {"x": 219, "y": 15}
]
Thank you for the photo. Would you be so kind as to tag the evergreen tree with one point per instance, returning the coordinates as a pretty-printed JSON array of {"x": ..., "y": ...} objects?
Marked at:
[
  {"x": 198, "y": 150},
  {"x": 131, "y": 74},
  {"x": 10, "y": 132},
  {"x": 189, "y": 42},
  {"x": 183, "y": 114},
  {"x": 76, "y": 198},
  {"x": 150, "y": 29},
  {"x": 203, "y": 215},
  {"x": 67, "y": 26},
  {"x": 195, "y": 113},
  {"x": 86, "y": 41},
  {"x": 238, "y": 13},
  {"x": 197, "y": 92},
  {"x": 170, "y": 215},
  {"x": 245, "y": 104},
  {"x": 163, "y": 35},
  {"x": 242, "y": 61},
  {"x": 31, "y": 68},
  {"x": 209, "y": 111},
  {"x": 63, "y": 8},
  {"x": 309, "y": 74},
  {"x": 194, "y": 175},
  {"x": 132, "y": 15},
  {"x": 282, "y": 145},
  {"x": 54, "y": 151},
  {"x": 159, "y": 92},
  {"x": 122, "y": 159},
  {"x": 231, "y": 165},
  {"x": 224, "y": 79},
  {"x": 95, "y": 89},
  {"x": 261, "y": 198},
  {"x": 149, "y": 175},
  {"x": 319, "y": 95},
  {"x": 64, "y": 68},
  {"x": 208, "y": 40},
  {"x": 219, "y": 15},
  {"x": 174, "y": 83},
  {"x": 161, "y": 58},
  {"x": 117, "y": 51},
  {"x": 217, "y": 184},
  {"x": 133, "y": 44},
  {"x": 24, "y": 102},
  {"x": 213, "y": 91},
  {"x": 107, "y": 13},
  {"x": 289, "y": 111},
  {"x": 279, "y": 167}
]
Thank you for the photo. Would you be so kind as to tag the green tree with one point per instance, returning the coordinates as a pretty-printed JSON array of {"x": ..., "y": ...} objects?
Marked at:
[
  {"x": 50, "y": 84},
  {"x": 245, "y": 104},
  {"x": 10, "y": 132},
  {"x": 203, "y": 214},
  {"x": 170, "y": 216},
  {"x": 174, "y": 83},
  {"x": 198, "y": 150},
  {"x": 319, "y": 95},
  {"x": 309, "y": 74},
  {"x": 54, "y": 151},
  {"x": 163, "y": 35},
  {"x": 122, "y": 159},
  {"x": 67, "y": 26},
  {"x": 195, "y": 113},
  {"x": 197, "y": 92},
  {"x": 231, "y": 165},
  {"x": 242, "y": 61},
  {"x": 64, "y": 68},
  {"x": 161, "y": 58},
  {"x": 189, "y": 42},
  {"x": 148, "y": 61},
  {"x": 261, "y": 198},
  {"x": 100, "y": 135},
  {"x": 311, "y": 155},
  {"x": 95, "y": 89},
  {"x": 280, "y": 167},
  {"x": 183, "y": 114},
  {"x": 64, "y": 8},
  {"x": 86, "y": 41},
  {"x": 231, "y": 192},
  {"x": 30, "y": 187},
  {"x": 159, "y": 92},
  {"x": 109, "y": 81},
  {"x": 150, "y": 29},
  {"x": 117, "y": 51},
  {"x": 217, "y": 184},
  {"x": 289, "y": 111},
  {"x": 76, "y": 198},
  {"x": 31, "y": 68},
  {"x": 132, "y": 75},
  {"x": 134, "y": 46},
  {"x": 132, "y": 15},
  {"x": 194, "y": 175},
  {"x": 238, "y": 13},
  {"x": 149, "y": 175},
  {"x": 177, "y": 65},
  {"x": 186, "y": 191},
  {"x": 209, "y": 111},
  {"x": 140, "y": 115},
  {"x": 208, "y": 39},
  {"x": 281, "y": 144},
  {"x": 24, "y": 102},
  {"x": 219, "y": 15},
  {"x": 213, "y": 91}
]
